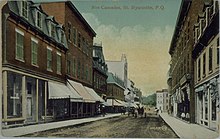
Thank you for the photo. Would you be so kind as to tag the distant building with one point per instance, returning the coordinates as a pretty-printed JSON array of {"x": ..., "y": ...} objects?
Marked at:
[
  {"x": 120, "y": 68},
  {"x": 162, "y": 100},
  {"x": 100, "y": 70},
  {"x": 115, "y": 87}
]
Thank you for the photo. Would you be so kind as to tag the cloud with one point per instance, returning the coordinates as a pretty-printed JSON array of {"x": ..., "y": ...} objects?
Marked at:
[{"x": 146, "y": 50}]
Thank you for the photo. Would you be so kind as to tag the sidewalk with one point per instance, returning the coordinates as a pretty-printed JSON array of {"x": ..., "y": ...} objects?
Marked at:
[
  {"x": 187, "y": 130},
  {"x": 18, "y": 131}
]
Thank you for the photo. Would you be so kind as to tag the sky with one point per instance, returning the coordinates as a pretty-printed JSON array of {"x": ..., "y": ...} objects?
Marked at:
[{"x": 141, "y": 29}]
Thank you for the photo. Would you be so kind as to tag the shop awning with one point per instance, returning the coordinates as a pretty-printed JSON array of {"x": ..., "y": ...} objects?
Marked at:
[
  {"x": 94, "y": 94},
  {"x": 82, "y": 91},
  {"x": 61, "y": 91},
  {"x": 113, "y": 102}
]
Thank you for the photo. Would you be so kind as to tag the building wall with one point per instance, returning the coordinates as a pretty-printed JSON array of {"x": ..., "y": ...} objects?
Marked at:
[
  {"x": 206, "y": 63},
  {"x": 114, "y": 91},
  {"x": 41, "y": 68},
  {"x": 99, "y": 82},
  {"x": 120, "y": 68},
  {"x": 159, "y": 101},
  {"x": 181, "y": 59},
  {"x": 76, "y": 55}
]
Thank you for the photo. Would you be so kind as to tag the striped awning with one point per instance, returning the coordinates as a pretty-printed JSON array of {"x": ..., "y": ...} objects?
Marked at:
[
  {"x": 82, "y": 91},
  {"x": 61, "y": 91}
]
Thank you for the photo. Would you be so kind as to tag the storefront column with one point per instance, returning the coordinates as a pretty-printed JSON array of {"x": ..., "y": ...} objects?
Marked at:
[
  {"x": 24, "y": 98},
  {"x": 37, "y": 100},
  {"x": 5, "y": 93}
]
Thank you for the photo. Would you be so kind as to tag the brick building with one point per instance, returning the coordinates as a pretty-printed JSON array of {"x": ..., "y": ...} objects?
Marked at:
[
  {"x": 100, "y": 70},
  {"x": 181, "y": 65},
  {"x": 79, "y": 66},
  {"x": 34, "y": 55},
  {"x": 206, "y": 65}
]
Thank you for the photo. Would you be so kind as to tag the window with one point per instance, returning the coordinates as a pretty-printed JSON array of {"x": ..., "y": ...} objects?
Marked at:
[
  {"x": 82, "y": 77},
  {"x": 83, "y": 44},
  {"x": 24, "y": 9},
  {"x": 218, "y": 51},
  {"x": 53, "y": 31},
  {"x": 49, "y": 59},
  {"x": 69, "y": 26},
  {"x": 79, "y": 40},
  {"x": 38, "y": 19},
  {"x": 14, "y": 95},
  {"x": 74, "y": 35},
  {"x": 74, "y": 67},
  {"x": 78, "y": 70},
  {"x": 199, "y": 68},
  {"x": 68, "y": 66},
  {"x": 19, "y": 45},
  {"x": 34, "y": 51},
  {"x": 204, "y": 63},
  {"x": 62, "y": 36},
  {"x": 58, "y": 63},
  {"x": 210, "y": 58}
]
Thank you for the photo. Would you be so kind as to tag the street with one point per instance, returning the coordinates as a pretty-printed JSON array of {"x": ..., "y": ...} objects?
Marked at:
[{"x": 117, "y": 127}]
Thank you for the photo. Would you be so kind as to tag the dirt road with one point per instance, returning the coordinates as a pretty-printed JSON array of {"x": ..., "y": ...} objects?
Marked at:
[{"x": 117, "y": 127}]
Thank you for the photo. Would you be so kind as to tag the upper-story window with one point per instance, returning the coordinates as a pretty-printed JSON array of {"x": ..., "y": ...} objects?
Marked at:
[
  {"x": 19, "y": 51},
  {"x": 58, "y": 63},
  {"x": 68, "y": 66},
  {"x": 78, "y": 69},
  {"x": 39, "y": 19},
  {"x": 34, "y": 51},
  {"x": 210, "y": 58},
  {"x": 62, "y": 36},
  {"x": 53, "y": 30},
  {"x": 79, "y": 40},
  {"x": 69, "y": 27},
  {"x": 74, "y": 35},
  {"x": 49, "y": 59},
  {"x": 83, "y": 44},
  {"x": 24, "y": 9}
]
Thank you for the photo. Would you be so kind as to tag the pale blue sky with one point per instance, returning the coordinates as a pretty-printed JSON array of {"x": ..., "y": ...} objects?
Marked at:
[{"x": 144, "y": 35}]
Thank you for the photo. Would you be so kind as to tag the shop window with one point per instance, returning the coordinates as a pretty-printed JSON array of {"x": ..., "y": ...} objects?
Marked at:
[
  {"x": 14, "y": 95},
  {"x": 214, "y": 110}
]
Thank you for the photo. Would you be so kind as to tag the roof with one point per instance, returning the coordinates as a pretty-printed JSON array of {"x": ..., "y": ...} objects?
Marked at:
[
  {"x": 30, "y": 21},
  {"x": 114, "y": 79},
  {"x": 184, "y": 8},
  {"x": 78, "y": 14}
]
